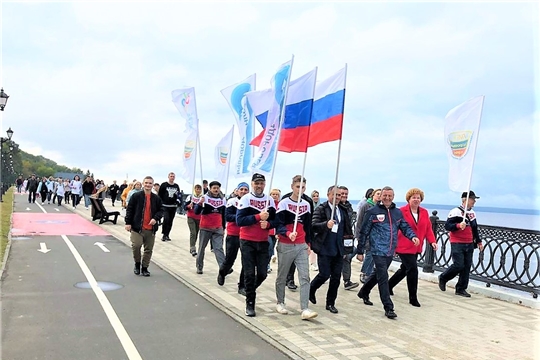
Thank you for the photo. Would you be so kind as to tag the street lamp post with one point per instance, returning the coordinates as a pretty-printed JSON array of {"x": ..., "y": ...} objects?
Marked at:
[
  {"x": 9, "y": 133},
  {"x": 3, "y": 99}
]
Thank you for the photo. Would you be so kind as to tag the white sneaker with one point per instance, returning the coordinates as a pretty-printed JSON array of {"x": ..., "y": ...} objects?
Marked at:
[
  {"x": 313, "y": 267},
  {"x": 308, "y": 314},
  {"x": 281, "y": 309}
]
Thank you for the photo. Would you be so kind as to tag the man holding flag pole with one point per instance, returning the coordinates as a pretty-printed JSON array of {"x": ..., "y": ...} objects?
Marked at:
[{"x": 462, "y": 126}]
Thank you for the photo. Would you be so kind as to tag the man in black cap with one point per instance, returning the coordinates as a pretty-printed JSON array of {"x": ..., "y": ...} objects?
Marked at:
[{"x": 464, "y": 237}]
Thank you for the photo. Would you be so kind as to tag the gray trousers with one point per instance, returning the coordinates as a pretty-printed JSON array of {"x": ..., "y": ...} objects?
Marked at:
[
  {"x": 287, "y": 254},
  {"x": 216, "y": 236},
  {"x": 193, "y": 232},
  {"x": 146, "y": 238}
]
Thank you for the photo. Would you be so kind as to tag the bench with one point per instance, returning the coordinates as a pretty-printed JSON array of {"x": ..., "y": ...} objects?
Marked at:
[{"x": 99, "y": 212}]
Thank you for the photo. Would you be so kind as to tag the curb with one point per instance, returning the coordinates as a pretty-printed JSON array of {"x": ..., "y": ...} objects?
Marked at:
[{"x": 8, "y": 246}]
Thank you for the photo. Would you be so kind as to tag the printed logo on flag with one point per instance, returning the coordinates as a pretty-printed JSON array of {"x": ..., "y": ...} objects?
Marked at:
[
  {"x": 459, "y": 142},
  {"x": 185, "y": 100},
  {"x": 188, "y": 149},
  {"x": 380, "y": 217},
  {"x": 223, "y": 155}
]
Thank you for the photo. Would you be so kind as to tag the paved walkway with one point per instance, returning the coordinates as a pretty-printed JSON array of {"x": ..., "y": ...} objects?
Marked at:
[{"x": 445, "y": 327}]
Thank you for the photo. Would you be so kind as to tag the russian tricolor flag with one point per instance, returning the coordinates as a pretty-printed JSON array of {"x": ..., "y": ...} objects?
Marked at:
[{"x": 310, "y": 119}]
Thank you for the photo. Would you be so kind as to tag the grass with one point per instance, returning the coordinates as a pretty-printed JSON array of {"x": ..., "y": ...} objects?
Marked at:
[{"x": 6, "y": 209}]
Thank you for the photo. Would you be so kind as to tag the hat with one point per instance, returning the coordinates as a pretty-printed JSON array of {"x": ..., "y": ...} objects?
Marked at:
[
  {"x": 258, "y": 177},
  {"x": 472, "y": 195},
  {"x": 369, "y": 192},
  {"x": 243, "y": 184}
]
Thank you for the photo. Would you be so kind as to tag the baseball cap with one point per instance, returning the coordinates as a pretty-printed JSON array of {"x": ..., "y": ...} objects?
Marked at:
[
  {"x": 472, "y": 195},
  {"x": 258, "y": 177}
]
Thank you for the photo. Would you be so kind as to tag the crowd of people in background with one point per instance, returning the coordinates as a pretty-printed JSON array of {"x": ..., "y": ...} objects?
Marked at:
[{"x": 297, "y": 231}]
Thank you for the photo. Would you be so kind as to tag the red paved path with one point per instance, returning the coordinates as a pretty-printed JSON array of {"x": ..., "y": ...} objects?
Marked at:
[{"x": 53, "y": 224}]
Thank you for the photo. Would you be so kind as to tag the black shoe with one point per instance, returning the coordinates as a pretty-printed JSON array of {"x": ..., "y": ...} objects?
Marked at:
[
  {"x": 365, "y": 298},
  {"x": 349, "y": 285},
  {"x": 193, "y": 253},
  {"x": 332, "y": 309},
  {"x": 242, "y": 291},
  {"x": 164, "y": 238},
  {"x": 463, "y": 293},
  {"x": 312, "y": 298},
  {"x": 144, "y": 271},
  {"x": 414, "y": 303},
  {"x": 291, "y": 285},
  {"x": 137, "y": 269},
  {"x": 199, "y": 271},
  {"x": 250, "y": 310},
  {"x": 168, "y": 238},
  {"x": 220, "y": 279},
  {"x": 442, "y": 284},
  {"x": 390, "y": 314}
]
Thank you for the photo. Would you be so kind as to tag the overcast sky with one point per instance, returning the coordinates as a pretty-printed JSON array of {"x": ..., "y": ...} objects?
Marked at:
[{"x": 90, "y": 86}]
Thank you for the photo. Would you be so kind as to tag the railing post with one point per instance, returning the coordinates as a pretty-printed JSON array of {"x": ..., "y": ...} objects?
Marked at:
[{"x": 429, "y": 254}]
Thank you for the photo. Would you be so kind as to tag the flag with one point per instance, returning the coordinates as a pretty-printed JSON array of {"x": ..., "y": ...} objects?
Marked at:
[
  {"x": 328, "y": 108},
  {"x": 462, "y": 125},
  {"x": 235, "y": 96},
  {"x": 190, "y": 157},
  {"x": 184, "y": 100},
  {"x": 295, "y": 128},
  {"x": 223, "y": 156},
  {"x": 265, "y": 154}
]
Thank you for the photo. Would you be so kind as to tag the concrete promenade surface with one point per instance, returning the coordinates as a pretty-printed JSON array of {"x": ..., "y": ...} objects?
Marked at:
[{"x": 445, "y": 327}]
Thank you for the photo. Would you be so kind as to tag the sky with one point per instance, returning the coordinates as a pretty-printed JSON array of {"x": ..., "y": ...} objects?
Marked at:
[{"x": 90, "y": 87}]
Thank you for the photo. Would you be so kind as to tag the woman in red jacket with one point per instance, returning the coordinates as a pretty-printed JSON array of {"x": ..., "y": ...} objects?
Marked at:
[{"x": 418, "y": 219}]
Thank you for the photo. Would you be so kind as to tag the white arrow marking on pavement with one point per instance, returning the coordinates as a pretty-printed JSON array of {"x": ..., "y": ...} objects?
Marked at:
[
  {"x": 43, "y": 248},
  {"x": 102, "y": 246},
  {"x": 28, "y": 209},
  {"x": 56, "y": 209}
]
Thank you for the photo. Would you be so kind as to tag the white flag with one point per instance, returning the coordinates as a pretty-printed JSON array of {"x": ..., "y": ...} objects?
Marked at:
[
  {"x": 235, "y": 96},
  {"x": 267, "y": 148},
  {"x": 190, "y": 157},
  {"x": 462, "y": 125},
  {"x": 184, "y": 100},
  {"x": 223, "y": 158}
]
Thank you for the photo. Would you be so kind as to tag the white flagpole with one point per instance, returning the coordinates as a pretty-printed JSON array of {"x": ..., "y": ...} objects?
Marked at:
[
  {"x": 195, "y": 163},
  {"x": 474, "y": 157},
  {"x": 281, "y": 119},
  {"x": 200, "y": 157},
  {"x": 229, "y": 163},
  {"x": 339, "y": 147},
  {"x": 305, "y": 160}
]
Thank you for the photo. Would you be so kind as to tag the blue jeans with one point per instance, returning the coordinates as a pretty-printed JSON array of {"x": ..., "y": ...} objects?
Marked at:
[
  {"x": 367, "y": 266},
  {"x": 462, "y": 255},
  {"x": 86, "y": 200}
]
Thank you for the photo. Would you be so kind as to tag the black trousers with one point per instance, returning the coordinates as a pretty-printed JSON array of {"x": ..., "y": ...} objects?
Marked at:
[
  {"x": 32, "y": 196},
  {"x": 380, "y": 278},
  {"x": 408, "y": 269},
  {"x": 43, "y": 196},
  {"x": 113, "y": 197},
  {"x": 168, "y": 218},
  {"x": 330, "y": 267},
  {"x": 462, "y": 256},
  {"x": 232, "y": 245},
  {"x": 254, "y": 263}
]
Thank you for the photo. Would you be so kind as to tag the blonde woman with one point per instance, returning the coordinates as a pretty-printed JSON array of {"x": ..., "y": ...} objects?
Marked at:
[
  {"x": 137, "y": 186},
  {"x": 126, "y": 192}
]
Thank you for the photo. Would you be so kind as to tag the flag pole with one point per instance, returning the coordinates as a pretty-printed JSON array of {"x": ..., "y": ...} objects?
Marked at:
[
  {"x": 200, "y": 156},
  {"x": 229, "y": 163},
  {"x": 339, "y": 148},
  {"x": 281, "y": 119},
  {"x": 195, "y": 162},
  {"x": 474, "y": 157},
  {"x": 305, "y": 160}
]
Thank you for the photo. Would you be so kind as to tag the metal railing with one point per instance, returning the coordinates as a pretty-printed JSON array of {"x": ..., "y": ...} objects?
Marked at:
[{"x": 511, "y": 257}]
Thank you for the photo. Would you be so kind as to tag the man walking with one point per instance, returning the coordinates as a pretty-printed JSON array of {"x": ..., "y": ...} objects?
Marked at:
[
  {"x": 464, "y": 237},
  {"x": 113, "y": 191},
  {"x": 381, "y": 224},
  {"x": 142, "y": 214},
  {"x": 330, "y": 224},
  {"x": 32, "y": 186},
  {"x": 168, "y": 192},
  {"x": 349, "y": 242},
  {"x": 255, "y": 216}
]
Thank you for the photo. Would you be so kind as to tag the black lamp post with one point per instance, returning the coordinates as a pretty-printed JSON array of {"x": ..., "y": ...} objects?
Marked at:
[
  {"x": 3, "y": 99},
  {"x": 9, "y": 133}
]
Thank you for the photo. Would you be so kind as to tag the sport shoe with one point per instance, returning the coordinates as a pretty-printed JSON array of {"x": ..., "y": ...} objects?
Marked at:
[
  {"x": 250, "y": 310},
  {"x": 349, "y": 285},
  {"x": 314, "y": 267},
  {"x": 281, "y": 309},
  {"x": 308, "y": 314}
]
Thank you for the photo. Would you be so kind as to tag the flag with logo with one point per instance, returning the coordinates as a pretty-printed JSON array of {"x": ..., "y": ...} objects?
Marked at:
[
  {"x": 190, "y": 157},
  {"x": 236, "y": 97},
  {"x": 223, "y": 156},
  {"x": 184, "y": 100},
  {"x": 263, "y": 160},
  {"x": 462, "y": 126}
]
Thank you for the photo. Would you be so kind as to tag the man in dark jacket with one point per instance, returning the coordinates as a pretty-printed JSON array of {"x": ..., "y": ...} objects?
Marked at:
[
  {"x": 142, "y": 215},
  {"x": 330, "y": 224},
  {"x": 113, "y": 191},
  {"x": 349, "y": 249},
  {"x": 381, "y": 224},
  {"x": 32, "y": 187}
]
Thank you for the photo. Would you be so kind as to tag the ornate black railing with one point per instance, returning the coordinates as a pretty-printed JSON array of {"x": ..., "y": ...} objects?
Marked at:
[{"x": 511, "y": 257}]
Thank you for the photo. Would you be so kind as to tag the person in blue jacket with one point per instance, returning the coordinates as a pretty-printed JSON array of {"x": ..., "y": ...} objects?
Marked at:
[{"x": 381, "y": 224}]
